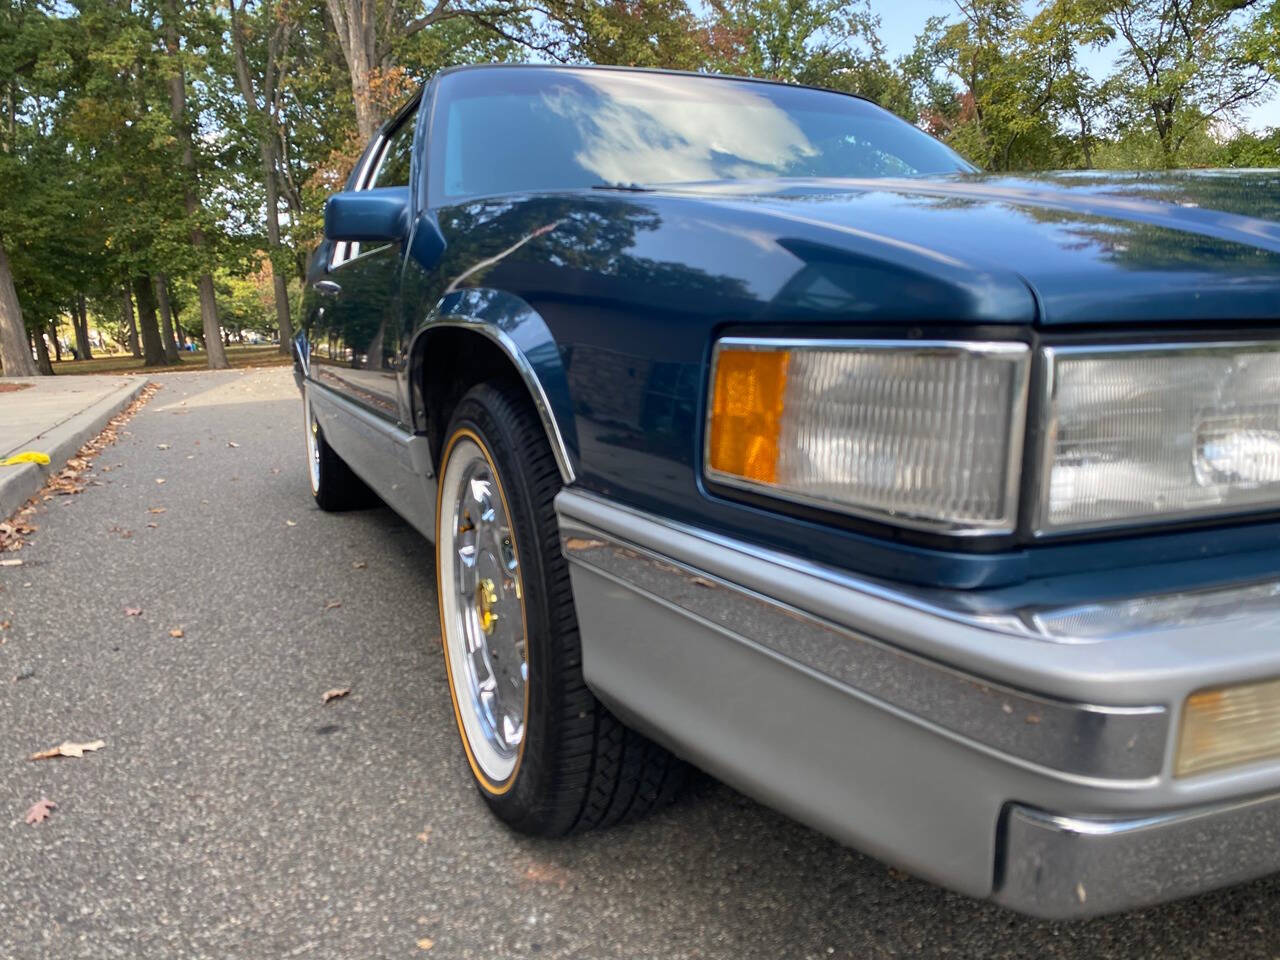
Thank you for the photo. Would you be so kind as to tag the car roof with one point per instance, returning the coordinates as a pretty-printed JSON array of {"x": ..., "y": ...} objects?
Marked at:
[{"x": 609, "y": 68}]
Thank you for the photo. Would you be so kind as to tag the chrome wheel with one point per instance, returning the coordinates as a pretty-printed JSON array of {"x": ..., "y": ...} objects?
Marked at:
[
  {"x": 482, "y": 610},
  {"x": 312, "y": 430}
]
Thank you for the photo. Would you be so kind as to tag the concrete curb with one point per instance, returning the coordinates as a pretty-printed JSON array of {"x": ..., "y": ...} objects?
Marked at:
[{"x": 18, "y": 484}]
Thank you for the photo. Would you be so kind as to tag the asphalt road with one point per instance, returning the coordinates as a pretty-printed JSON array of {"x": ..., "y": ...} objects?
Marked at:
[{"x": 233, "y": 814}]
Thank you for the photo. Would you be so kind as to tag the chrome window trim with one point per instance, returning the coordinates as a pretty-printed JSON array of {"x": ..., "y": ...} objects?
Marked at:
[
  {"x": 1017, "y": 351},
  {"x": 1036, "y": 488},
  {"x": 1112, "y": 743}
]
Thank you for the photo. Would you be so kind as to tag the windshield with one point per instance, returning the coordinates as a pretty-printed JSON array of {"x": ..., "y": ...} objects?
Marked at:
[{"x": 514, "y": 130}]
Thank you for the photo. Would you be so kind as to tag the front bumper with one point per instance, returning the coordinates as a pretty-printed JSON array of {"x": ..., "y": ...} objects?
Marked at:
[{"x": 995, "y": 762}]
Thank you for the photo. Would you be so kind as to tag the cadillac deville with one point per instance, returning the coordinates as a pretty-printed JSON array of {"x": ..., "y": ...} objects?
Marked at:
[{"x": 755, "y": 429}]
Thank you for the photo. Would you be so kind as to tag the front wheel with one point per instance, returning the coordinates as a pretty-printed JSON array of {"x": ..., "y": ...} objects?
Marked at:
[{"x": 547, "y": 756}]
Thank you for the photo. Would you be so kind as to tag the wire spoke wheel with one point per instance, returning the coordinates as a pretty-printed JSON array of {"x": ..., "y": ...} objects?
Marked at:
[{"x": 482, "y": 611}]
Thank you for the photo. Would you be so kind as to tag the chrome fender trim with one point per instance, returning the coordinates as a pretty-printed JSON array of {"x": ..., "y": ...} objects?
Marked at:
[{"x": 528, "y": 375}]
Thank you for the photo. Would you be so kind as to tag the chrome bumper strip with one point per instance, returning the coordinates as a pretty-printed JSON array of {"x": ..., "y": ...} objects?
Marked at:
[
  {"x": 1115, "y": 743},
  {"x": 1063, "y": 867}
]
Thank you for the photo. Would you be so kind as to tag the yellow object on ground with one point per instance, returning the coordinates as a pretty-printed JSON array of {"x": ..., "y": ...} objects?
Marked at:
[{"x": 26, "y": 456}]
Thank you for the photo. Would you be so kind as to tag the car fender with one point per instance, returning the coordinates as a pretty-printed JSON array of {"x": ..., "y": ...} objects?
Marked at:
[{"x": 526, "y": 340}]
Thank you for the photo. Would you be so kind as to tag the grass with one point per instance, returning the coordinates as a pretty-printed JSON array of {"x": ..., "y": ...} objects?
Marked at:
[{"x": 262, "y": 355}]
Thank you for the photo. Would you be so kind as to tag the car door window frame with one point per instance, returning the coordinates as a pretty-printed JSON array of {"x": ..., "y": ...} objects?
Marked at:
[{"x": 344, "y": 251}]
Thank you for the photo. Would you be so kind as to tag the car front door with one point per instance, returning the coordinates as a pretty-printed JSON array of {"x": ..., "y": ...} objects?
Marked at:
[{"x": 358, "y": 350}]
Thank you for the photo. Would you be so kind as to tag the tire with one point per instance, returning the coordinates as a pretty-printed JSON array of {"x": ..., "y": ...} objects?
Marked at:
[
  {"x": 545, "y": 754},
  {"x": 333, "y": 484}
]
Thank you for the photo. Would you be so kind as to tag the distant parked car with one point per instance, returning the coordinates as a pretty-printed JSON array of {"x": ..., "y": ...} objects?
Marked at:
[{"x": 753, "y": 426}]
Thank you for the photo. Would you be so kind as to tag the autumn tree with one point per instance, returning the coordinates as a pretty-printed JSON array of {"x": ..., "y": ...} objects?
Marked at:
[{"x": 1183, "y": 64}]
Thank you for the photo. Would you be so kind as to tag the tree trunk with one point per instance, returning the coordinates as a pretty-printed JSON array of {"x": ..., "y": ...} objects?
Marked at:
[
  {"x": 217, "y": 357},
  {"x": 42, "y": 354},
  {"x": 130, "y": 326},
  {"x": 177, "y": 320},
  {"x": 355, "y": 22},
  {"x": 80, "y": 311},
  {"x": 15, "y": 349},
  {"x": 152, "y": 345},
  {"x": 57, "y": 344},
  {"x": 270, "y": 160},
  {"x": 161, "y": 283}
]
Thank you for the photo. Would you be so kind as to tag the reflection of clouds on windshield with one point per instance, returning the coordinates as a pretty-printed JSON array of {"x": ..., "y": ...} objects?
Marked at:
[{"x": 662, "y": 134}]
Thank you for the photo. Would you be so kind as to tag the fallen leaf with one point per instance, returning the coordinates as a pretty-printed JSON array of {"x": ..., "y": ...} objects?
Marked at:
[
  {"x": 176, "y": 633},
  {"x": 156, "y": 509},
  {"x": 68, "y": 749},
  {"x": 1033, "y": 718},
  {"x": 701, "y": 582},
  {"x": 133, "y": 611},
  {"x": 162, "y": 446},
  {"x": 425, "y": 835},
  {"x": 39, "y": 812},
  {"x": 426, "y": 943},
  {"x": 232, "y": 443},
  {"x": 159, "y": 479},
  {"x": 333, "y": 605},
  {"x": 579, "y": 543},
  {"x": 291, "y": 523},
  {"x": 11, "y": 563},
  {"x": 1081, "y": 895},
  {"x": 153, "y": 525},
  {"x": 335, "y": 693},
  {"x": 359, "y": 565}
]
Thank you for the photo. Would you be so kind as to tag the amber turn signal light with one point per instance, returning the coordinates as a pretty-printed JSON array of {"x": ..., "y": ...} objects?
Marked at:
[
  {"x": 1229, "y": 727},
  {"x": 746, "y": 413}
]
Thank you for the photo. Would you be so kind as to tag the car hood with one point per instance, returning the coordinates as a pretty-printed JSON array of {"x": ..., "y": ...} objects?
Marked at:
[{"x": 1128, "y": 248}]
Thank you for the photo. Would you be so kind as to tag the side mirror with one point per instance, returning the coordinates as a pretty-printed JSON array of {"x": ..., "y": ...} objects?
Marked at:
[{"x": 368, "y": 215}]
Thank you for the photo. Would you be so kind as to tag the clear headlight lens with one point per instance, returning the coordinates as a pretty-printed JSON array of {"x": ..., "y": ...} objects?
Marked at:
[
  {"x": 922, "y": 434},
  {"x": 1160, "y": 432}
]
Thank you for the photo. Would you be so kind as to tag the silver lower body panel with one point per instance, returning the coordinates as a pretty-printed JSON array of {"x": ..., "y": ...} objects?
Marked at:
[{"x": 842, "y": 707}]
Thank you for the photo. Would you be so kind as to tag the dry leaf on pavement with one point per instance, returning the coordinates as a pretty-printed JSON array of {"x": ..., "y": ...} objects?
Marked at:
[
  {"x": 291, "y": 523},
  {"x": 232, "y": 443},
  {"x": 162, "y": 446},
  {"x": 156, "y": 509},
  {"x": 68, "y": 749},
  {"x": 359, "y": 565},
  {"x": 159, "y": 479},
  {"x": 335, "y": 693},
  {"x": 333, "y": 605},
  {"x": 39, "y": 812},
  {"x": 13, "y": 562},
  {"x": 426, "y": 943},
  {"x": 176, "y": 633},
  {"x": 133, "y": 611}
]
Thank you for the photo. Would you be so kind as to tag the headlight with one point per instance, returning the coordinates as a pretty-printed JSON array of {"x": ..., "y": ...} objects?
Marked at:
[
  {"x": 921, "y": 434},
  {"x": 1149, "y": 433}
]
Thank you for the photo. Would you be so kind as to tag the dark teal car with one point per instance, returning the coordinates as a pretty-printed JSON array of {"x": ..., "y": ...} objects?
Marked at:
[{"x": 754, "y": 427}]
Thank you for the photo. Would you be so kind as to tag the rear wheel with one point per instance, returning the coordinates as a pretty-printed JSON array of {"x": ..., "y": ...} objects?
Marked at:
[
  {"x": 333, "y": 483},
  {"x": 547, "y": 756}
]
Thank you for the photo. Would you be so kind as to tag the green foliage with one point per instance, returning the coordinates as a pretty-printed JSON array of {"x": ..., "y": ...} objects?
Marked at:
[{"x": 96, "y": 189}]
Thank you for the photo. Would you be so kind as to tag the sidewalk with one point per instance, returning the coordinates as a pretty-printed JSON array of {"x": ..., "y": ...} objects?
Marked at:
[{"x": 56, "y": 416}]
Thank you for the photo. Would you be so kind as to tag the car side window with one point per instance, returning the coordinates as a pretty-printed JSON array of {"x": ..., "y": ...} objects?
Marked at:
[{"x": 393, "y": 167}]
